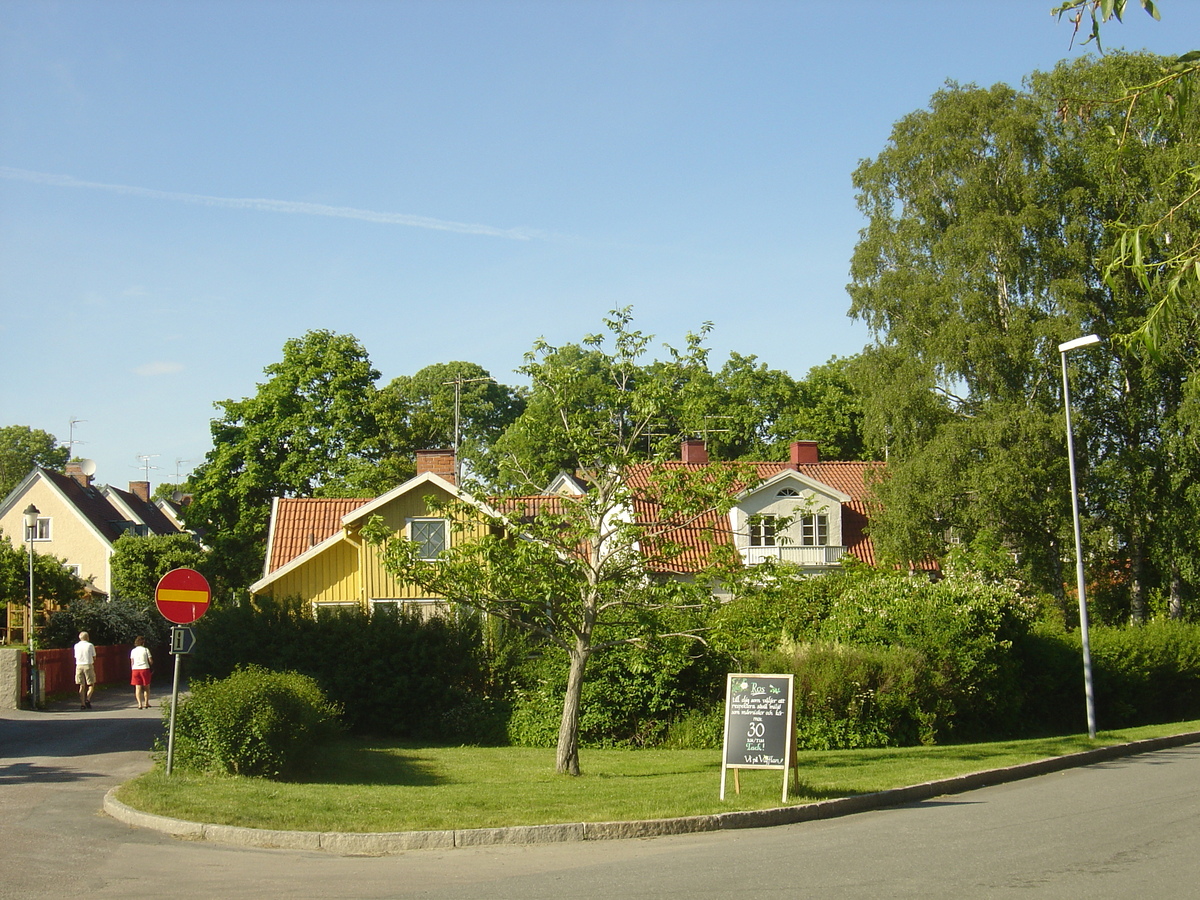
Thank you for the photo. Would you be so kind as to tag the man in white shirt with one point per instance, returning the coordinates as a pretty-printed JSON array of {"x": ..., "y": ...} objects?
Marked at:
[{"x": 85, "y": 670}]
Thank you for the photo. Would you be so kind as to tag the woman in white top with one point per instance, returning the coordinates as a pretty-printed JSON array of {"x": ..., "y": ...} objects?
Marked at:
[{"x": 139, "y": 663}]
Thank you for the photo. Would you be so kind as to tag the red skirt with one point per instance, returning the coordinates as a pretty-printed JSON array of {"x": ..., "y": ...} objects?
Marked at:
[{"x": 140, "y": 677}]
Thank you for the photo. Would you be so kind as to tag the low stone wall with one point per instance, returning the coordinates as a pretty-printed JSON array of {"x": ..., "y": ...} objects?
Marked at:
[{"x": 12, "y": 685}]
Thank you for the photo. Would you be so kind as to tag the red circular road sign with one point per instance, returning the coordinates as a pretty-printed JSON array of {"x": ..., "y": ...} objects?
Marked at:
[{"x": 182, "y": 596}]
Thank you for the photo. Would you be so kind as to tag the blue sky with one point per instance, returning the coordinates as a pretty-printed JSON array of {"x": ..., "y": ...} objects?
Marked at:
[{"x": 184, "y": 186}]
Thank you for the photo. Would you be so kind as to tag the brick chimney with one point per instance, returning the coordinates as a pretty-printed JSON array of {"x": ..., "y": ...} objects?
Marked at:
[
  {"x": 75, "y": 470},
  {"x": 804, "y": 453},
  {"x": 694, "y": 451},
  {"x": 439, "y": 462},
  {"x": 141, "y": 490}
]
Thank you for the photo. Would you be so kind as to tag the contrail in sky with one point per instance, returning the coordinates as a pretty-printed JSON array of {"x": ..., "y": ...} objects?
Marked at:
[{"x": 279, "y": 206}]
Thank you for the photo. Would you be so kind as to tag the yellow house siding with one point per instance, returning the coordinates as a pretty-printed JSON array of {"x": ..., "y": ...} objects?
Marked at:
[
  {"x": 378, "y": 583},
  {"x": 331, "y": 576}
]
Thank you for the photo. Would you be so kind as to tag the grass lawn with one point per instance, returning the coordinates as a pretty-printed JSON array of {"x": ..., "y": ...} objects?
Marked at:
[{"x": 382, "y": 786}]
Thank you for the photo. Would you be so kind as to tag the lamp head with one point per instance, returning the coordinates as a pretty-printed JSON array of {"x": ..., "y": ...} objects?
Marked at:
[
  {"x": 1087, "y": 341},
  {"x": 31, "y": 516}
]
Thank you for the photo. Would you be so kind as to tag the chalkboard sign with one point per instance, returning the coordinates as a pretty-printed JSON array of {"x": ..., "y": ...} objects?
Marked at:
[{"x": 759, "y": 729}]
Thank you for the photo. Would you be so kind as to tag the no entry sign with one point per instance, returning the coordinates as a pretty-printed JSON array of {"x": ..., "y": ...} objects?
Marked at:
[{"x": 182, "y": 596}]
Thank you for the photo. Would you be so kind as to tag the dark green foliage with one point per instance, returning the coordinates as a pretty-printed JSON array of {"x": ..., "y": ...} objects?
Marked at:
[
  {"x": 106, "y": 622},
  {"x": 1142, "y": 675},
  {"x": 139, "y": 561},
  {"x": 255, "y": 722},
  {"x": 631, "y": 694},
  {"x": 393, "y": 673}
]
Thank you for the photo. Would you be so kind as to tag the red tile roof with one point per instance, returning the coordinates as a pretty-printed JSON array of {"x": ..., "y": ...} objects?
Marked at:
[{"x": 301, "y": 522}]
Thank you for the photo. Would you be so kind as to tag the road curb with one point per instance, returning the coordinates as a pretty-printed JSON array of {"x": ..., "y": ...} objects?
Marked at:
[{"x": 388, "y": 843}]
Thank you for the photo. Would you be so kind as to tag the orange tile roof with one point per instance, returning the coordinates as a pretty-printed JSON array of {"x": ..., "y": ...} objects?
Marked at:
[{"x": 301, "y": 522}]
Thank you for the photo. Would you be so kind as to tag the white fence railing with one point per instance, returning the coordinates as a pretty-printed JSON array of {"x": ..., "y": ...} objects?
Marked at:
[{"x": 796, "y": 555}]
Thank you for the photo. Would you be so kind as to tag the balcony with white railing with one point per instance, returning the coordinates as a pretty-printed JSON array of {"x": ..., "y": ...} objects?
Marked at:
[{"x": 795, "y": 555}]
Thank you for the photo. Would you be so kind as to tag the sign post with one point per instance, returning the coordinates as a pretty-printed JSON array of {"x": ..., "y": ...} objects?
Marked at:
[
  {"x": 760, "y": 726},
  {"x": 182, "y": 596}
]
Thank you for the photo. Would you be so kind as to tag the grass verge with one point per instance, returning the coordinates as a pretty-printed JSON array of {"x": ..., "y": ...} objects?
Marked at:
[{"x": 372, "y": 786}]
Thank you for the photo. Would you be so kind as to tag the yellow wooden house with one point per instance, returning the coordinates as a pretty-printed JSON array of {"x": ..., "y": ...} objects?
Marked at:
[{"x": 316, "y": 551}]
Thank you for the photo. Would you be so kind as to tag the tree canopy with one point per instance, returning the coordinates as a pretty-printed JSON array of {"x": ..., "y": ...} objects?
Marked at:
[
  {"x": 985, "y": 247},
  {"x": 22, "y": 448}
]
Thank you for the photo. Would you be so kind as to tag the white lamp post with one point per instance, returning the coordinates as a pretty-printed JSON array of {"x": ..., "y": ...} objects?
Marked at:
[
  {"x": 1089, "y": 693},
  {"x": 31, "y": 517}
]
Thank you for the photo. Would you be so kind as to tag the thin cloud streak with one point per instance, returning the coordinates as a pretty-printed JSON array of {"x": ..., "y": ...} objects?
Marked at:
[{"x": 279, "y": 206}]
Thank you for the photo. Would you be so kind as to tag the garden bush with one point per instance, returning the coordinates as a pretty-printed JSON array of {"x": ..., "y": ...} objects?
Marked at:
[{"x": 255, "y": 722}]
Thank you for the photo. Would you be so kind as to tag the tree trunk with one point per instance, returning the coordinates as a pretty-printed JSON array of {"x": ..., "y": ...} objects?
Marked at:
[
  {"x": 567, "y": 760},
  {"x": 1137, "y": 583},
  {"x": 1175, "y": 600}
]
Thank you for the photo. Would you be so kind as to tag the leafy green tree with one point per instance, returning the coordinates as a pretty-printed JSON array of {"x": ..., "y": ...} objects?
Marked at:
[
  {"x": 985, "y": 247},
  {"x": 418, "y": 412},
  {"x": 22, "y": 448},
  {"x": 582, "y": 573},
  {"x": 1144, "y": 244},
  {"x": 53, "y": 583},
  {"x": 138, "y": 562},
  {"x": 310, "y": 429}
]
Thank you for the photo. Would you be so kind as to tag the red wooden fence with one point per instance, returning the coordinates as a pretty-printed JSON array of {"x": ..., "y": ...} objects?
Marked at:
[{"x": 58, "y": 666}]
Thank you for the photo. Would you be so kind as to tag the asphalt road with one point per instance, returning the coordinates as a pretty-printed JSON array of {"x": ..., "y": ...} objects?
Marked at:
[{"x": 1123, "y": 829}]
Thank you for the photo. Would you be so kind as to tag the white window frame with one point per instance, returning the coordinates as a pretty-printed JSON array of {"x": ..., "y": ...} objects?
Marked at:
[
  {"x": 424, "y": 521},
  {"x": 763, "y": 531},
  {"x": 814, "y": 530},
  {"x": 41, "y": 531},
  {"x": 319, "y": 606}
]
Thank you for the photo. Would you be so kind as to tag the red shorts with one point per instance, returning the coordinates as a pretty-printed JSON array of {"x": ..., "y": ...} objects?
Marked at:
[{"x": 140, "y": 677}]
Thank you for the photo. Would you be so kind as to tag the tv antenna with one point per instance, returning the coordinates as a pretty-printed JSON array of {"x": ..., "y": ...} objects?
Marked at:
[
  {"x": 179, "y": 462},
  {"x": 145, "y": 463},
  {"x": 71, "y": 442},
  {"x": 458, "y": 383}
]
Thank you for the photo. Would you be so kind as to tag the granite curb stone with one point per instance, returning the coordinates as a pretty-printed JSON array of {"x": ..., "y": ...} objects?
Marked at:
[{"x": 385, "y": 843}]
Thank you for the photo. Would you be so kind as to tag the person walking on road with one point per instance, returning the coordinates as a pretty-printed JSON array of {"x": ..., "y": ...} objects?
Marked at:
[
  {"x": 140, "y": 661},
  {"x": 85, "y": 670}
]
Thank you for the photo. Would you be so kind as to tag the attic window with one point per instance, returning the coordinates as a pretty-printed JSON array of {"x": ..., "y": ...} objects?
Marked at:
[
  {"x": 41, "y": 531},
  {"x": 788, "y": 492},
  {"x": 430, "y": 534}
]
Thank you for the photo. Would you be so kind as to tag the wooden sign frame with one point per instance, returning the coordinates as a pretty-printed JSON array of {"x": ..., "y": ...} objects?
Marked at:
[{"x": 760, "y": 726}]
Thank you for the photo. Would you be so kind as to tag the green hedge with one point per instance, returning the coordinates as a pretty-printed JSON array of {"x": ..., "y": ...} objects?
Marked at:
[
  {"x": 392, "y": 673},
  {"x": 1142, "y": 675},
  {"x": 255, "y": 722}
]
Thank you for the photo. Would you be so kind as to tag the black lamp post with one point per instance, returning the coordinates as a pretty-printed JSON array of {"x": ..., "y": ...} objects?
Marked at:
[{"x": 31, "y": 518}]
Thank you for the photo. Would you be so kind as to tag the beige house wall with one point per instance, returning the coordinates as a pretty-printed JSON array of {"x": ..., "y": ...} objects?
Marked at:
[{"x": 72, "y": 538}]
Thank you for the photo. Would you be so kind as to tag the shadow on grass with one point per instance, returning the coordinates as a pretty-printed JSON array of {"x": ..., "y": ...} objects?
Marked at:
[{"x": 361, "y": 763}]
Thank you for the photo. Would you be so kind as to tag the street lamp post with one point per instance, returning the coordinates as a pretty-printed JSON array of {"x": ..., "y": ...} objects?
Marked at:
[
  {"x": 31, "y": 517},
  {"x": 1089, "y": 693}
]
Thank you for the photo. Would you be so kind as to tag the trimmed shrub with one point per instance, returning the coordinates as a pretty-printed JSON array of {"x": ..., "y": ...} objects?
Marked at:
[{"x": 255, "y": 722}]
